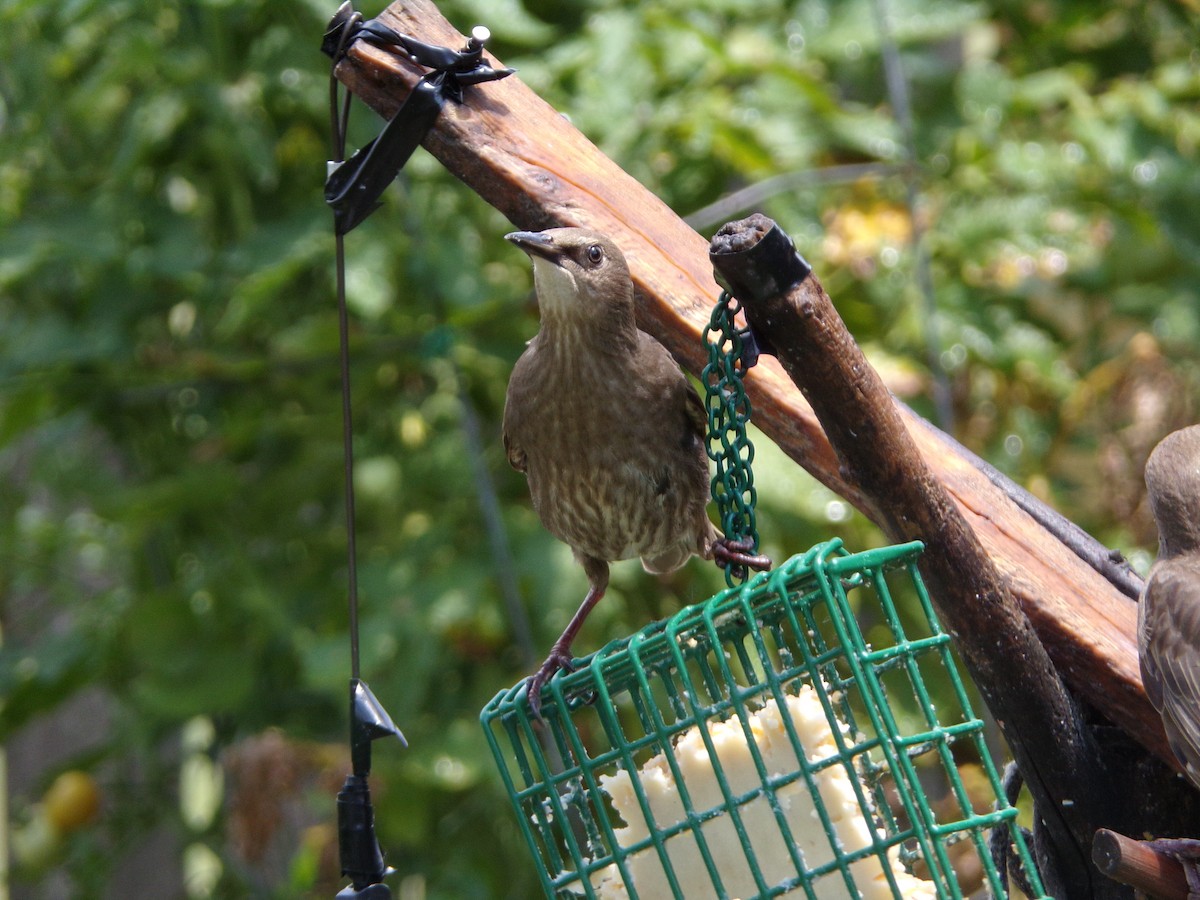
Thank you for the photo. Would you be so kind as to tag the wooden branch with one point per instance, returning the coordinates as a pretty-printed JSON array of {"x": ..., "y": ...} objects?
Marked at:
[
  {"x": 525, "y": 159},
  {"x": 1018, "y": 681},
  {"x": 1137, "y": 865}
]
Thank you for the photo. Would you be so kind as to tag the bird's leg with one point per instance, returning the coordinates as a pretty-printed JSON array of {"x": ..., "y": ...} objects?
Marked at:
[
  {"x": 740, "y": 554},
  {"x": 1187, "y": 852},
  {"x": 560, "y": 654}
]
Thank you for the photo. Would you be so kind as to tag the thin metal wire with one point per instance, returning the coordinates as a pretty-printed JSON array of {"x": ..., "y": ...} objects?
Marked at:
[
  {"x": 898, "y": 94},
  {"x": 348, "y": 455},
  {"x": 755, "y": 194},
  {"x": 338, "y": 126}
]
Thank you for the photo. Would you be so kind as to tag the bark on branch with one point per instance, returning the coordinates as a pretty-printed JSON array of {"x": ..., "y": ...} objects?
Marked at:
[{"x": 1019, "y": 683}]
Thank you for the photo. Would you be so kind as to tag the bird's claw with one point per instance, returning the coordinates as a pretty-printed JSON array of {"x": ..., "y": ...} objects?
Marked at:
[
  {"x": 1187, "y": 852},
  {"x": 740, "y": 555},
  {"x": 559, "y": 658}
]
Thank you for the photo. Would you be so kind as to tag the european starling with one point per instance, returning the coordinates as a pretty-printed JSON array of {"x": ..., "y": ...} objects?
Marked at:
[
  {"x": 607, "y": 429},
  {"x": 1169, "y": 612}
]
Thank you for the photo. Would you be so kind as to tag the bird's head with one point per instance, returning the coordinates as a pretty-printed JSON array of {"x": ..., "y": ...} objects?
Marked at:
[
  {"x": 1173, "y": 482},
  {"x": 579, "y": 275}
]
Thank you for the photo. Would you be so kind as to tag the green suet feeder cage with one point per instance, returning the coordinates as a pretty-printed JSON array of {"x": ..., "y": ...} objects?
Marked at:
[{"x": 758, "y": 745}]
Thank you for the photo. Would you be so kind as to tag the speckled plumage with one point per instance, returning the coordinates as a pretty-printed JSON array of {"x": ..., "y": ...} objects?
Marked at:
[
  {"x": 1169, "y": 612},
  {"x": 605, "y": 426},
  {"x": 603, "y": 423},
  {"x": 612, "y": 446}
]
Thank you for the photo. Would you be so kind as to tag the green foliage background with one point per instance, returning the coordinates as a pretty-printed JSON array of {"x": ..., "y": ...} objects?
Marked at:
[{"x": 171, "y": 544}]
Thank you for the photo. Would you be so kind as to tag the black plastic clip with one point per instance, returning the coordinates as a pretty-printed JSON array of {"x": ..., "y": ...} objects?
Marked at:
[
  {"x": 358, "y": 848},
  {"x": 353, "y": 187}
]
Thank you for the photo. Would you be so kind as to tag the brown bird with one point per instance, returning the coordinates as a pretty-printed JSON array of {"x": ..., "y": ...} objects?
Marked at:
[
  {"x": 1169, "y": 612},
  {"x": 607, "y": 429}
]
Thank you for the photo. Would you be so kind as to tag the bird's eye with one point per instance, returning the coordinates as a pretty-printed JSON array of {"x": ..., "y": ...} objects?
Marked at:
[{"x": 595, "y": 253}]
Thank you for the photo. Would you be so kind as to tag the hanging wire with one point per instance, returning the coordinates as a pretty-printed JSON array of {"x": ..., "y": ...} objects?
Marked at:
[
  {"x": 753, "y": 195},
  {"x": 348, "y": 454},
  {"x": 339, "y": 123},
  {"x": 898, "y": 95}
]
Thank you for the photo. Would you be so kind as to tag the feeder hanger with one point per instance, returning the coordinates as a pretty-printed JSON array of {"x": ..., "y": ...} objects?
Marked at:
[
  {"x": 353, "y": 187},
  {"x": 361, "y": 858},
  {"x": 731, "y": 351}
]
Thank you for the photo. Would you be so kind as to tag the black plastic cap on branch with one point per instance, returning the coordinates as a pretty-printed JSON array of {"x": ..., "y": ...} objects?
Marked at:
[
  {"x": 765, "y": 264},
  {"x": 771, "y": 266},
  {"x": 354, "y": 187}
]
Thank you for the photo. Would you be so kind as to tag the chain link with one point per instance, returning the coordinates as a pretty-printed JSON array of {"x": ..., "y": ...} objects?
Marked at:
[{"x": 728, "y": 445}]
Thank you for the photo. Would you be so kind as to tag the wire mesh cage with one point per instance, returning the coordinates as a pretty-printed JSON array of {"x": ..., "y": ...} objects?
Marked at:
[{"x": 757, "y": 745}]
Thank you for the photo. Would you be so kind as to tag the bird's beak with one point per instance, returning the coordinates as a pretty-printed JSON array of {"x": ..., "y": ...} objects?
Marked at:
[{"x": 536, "y": 243}]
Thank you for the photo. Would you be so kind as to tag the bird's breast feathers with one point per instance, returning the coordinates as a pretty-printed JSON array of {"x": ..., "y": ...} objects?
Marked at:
[
  {"x": 608, "y": 481},
  {"x": 612, "y": 446}
]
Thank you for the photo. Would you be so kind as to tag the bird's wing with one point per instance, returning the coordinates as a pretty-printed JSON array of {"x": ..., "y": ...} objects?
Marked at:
[
  {"x": 515, "y": 402},
  {"x": 661, "y": 377},
  {"x": 696, "y": 413},
  {"x": 516, "y": 456},
  {"x": 1169, "y": 645}
]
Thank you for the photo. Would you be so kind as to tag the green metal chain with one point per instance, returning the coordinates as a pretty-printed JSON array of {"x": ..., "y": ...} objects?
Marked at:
[{"x": 728, "y": 414}]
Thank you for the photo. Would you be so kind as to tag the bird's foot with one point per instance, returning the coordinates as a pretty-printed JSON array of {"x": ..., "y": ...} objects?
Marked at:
[
  {"x": 559, "y": 658},
  {"x": 740, "y": 555},
  {"x": 1187, "y": 851}
]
